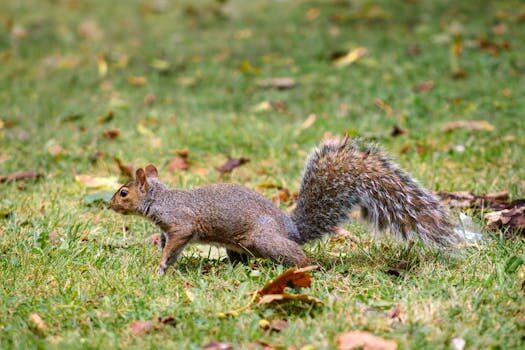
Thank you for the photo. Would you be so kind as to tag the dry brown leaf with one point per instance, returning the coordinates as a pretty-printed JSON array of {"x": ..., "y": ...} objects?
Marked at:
[
  {"x": 350, "y": 57},
  {"x": 137, "y": 80},
  {"x": 21, "y": 175},
  {"x": 281, "y": 83},
  {"x": 215, "y": 345},
  {"x": 183, "y": 153},
  {"x": 425, "y": 86},
  {"x": 398, "y": 131},
  {"x": 282, "y": 196},
  {"x": 382, "y": 105},
  {"x": 55, "y": 149},
  {"x": 363, "y": 340},
  {"x": 231, "y": 164},
  {"x": 272, "y": 298},
  {"x": 308, "y": 122},
  {"x": 154, "y": 239},
  {"x": 177, "y": 164},
  {"x": 37, "y": 325},
  {"x": 127, "y": 170},
  {"x": 90, "y": 29},
  {"x": 511, "y": 219},
  {"x": 278, "y": 325},
  {"x": 111, "y": 133},
  {"x": 292, "y": 277},
  {"x": 141, "y": 327},
  {"x": 482, "y": 125},
  {"x": 395, "y": 312},
  {"x": 149, "y": 99},
  {"x": 462, "y": 199},
  {"x": 266, "y": 346}
]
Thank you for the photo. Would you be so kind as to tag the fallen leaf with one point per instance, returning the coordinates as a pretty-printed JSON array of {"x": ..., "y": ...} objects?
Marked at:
[
  {"x": 215, "y": 345},
  {"x": 95, "y": 157},
  {"x": 97, "y": 197},
  {"x": 100, "y": 182},
  {"x": 278, "y": 325},
  {"x": 37, "y": 325},
  {"x": 18, "y": 32},
  {"x": 481, "y": 125},
  {"x": 267, "y": 346},
  {"x": 308, "y": 122},
  {"x": 272, "y": 298},
  {"x": 160, "y": 65},
  {"x": 141, "y": 327},
  {"x": 459, "y": 73},
  {"x": 382, "y": 105},
  {"x": 457, "y": 343},
  {"x": 413, "y": 50},
  {"x": 394, "y": 312},
  {"x": 264, "y": 324},
  {"x": 89, "y": 29},
  {"x": 312, "y": 13},
  {"x": 149, "y": 99},
  {"x": 102, "y": 65},
  {"x": 513, "y": 219},
  {"x": 127, "y": 170},
  {"x": 111, "y": 133},
  {"x": 462, "y": 199},
  {"x": 292, "y": 277},
  {"x": 349, "y": 58},
  {"x": 177, "y": 164},
  {"x": 21, "y": 175},
  {"x": 282, "y": 196},
  {"x": 425, "y": 86},
  {"x": 499, "y": 29},
  {"x": 137, "y": 80},
  {"x": 106, "y": 117},
  {"x": 167, "y": 320},
  {"x": 55, "y": 149},
  {"x": 281, "y": 83},
  {"x": 398, "y": 131},
  {"x": 231, "y": 164},
  {"x": 154, "y": 239},
  {"x": 363, "y": 340}
]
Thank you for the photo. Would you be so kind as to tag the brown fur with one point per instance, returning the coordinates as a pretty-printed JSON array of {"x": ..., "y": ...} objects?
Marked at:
[{"x": 338, "y": 176}]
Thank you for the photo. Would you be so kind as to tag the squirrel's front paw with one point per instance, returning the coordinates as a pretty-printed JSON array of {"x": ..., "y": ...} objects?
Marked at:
[{"x": 161, "y": 271}]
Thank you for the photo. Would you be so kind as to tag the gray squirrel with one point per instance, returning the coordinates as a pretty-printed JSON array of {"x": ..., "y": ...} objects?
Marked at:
[{"x": 339, "y": 175}]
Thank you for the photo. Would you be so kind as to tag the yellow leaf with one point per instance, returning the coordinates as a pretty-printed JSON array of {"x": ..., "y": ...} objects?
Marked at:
[
  {"x": 481, "y": 125},
  {"x": 308, "y": 122},
  {"x": 350, "y": 57},
  {"x": 102, "y": 65},
  {"x": 137, "y": 80},
  {"x": 97, "y": 182}
]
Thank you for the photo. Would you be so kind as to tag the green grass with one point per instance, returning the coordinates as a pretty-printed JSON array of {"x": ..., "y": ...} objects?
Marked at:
[{"x": 89, "y": 291}]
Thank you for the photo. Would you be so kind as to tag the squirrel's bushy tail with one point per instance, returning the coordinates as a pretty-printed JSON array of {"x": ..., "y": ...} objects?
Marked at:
[{"x": 340, "y": 175}]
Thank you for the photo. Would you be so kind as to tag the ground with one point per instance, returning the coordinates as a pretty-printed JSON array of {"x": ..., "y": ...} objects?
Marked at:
[{"x": 186, "y": 75}]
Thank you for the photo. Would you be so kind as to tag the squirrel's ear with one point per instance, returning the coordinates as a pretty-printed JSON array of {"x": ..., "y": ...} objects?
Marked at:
[
  {"x": 151, "y": 171},
  {"x": 140, "y": 178}
]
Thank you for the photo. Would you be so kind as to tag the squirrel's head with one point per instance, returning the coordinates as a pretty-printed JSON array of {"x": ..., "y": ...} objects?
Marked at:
[{"x": 128, "y": 198}]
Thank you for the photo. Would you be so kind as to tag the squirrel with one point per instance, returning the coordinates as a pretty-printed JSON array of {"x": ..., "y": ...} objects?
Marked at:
[{"x": 338, "y": 176}]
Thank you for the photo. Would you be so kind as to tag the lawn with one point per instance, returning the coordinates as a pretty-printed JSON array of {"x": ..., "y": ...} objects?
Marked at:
[{"x": 82, "y": 82}]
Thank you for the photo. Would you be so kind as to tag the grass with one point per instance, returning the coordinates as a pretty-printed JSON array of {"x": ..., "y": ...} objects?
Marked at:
[{"x": 91, "y": 281}]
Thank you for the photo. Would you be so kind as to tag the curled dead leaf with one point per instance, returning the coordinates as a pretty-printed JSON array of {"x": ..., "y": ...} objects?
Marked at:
[
  {"x": 177, "y": 164},
  {"x": 382, "y": 105},
  {"x": 398, "y": 131},
  {"x": 348, "y": 58},
  {"x": 425, "y": 86},
  {"x": 215, "y": 345},
  {"x": 37, "y": 324},
  {"x": 111, "y": 133},
  {"x": 308, "y": 122},
  {"x": 137, "y": 80},
  {"x": 20, "y": 175},
  {"x": 281, "y": 83},
  {"x": 481, "y": 125},
  {"x": 363, "y": 340},
  {"x": 127, "y": 170},
  {"x": 231, "y": 164},
  {"x": 292, "y": 277}
]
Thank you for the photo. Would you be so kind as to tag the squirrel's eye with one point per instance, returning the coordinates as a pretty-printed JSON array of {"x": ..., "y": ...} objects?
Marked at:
[{"x": 123, "y": 192}]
